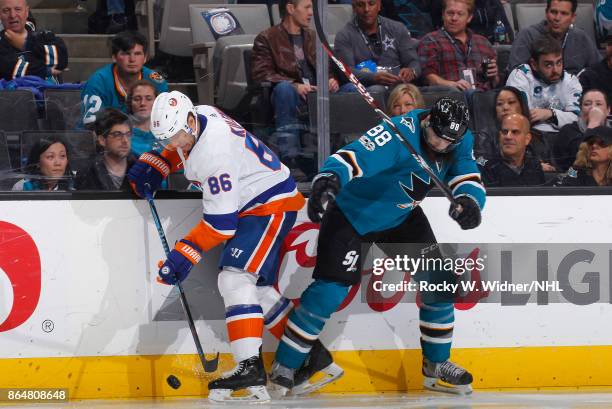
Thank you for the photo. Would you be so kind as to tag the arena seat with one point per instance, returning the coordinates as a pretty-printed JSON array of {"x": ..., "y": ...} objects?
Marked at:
[
  {"x": 62, "y": 108},
  {"x": 503, "y": 60},
  {"x": 253, "y": 19},
  {"x": 229, "y": 69},
  {"x": 337, "y": 17},
  {"x": 18, "y": 111},
  {"x": 81, "y": 143},
  {"x": 175, "y": 34},
  {"x": 482, "y": 109},
  {"x": 349, "y": 114}
]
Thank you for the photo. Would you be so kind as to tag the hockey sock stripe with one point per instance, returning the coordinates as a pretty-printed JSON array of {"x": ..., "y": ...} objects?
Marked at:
[
  {"x": 436, "y": 340},
  {"x": 303, "y": 349},
  {"x": 278, "y": 310},
  {"x": 245, "y": 328},
  {"x": 240, "y": 309},
  {"x": 437, "y": 333},
  {"x": 300, "y": 332},
  {"x": 278, "y": 329},
  {"x": 435, "y": 325}
]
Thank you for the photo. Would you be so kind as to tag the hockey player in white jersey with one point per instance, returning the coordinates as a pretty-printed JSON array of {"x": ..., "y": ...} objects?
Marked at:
[
  {"x": 553, "y": 94},
  {"x": 250, "y": 202}
]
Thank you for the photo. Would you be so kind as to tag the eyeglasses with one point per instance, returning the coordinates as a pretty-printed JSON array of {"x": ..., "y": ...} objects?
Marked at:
[{"x": 119, "y": 134}]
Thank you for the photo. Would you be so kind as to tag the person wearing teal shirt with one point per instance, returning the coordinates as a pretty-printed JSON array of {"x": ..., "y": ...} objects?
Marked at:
[{"x": 108, "y": 87}]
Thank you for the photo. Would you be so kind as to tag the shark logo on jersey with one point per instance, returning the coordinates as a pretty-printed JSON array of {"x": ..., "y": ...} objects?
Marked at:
[
  {"x": 417, "y": 191},
  {"x": 408, "y": 123}
]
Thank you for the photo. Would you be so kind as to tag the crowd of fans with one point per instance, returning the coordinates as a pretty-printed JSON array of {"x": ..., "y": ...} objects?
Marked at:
[{"x": 548, "y": 125}]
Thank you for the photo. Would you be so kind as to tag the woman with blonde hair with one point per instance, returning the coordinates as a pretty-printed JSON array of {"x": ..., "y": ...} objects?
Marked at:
[
  {"x": 592, "y": 166},
  {"x": 403, "y": 99}
]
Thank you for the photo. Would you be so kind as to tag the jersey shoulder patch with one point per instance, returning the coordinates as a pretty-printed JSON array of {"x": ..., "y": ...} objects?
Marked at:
[{"x": 156, "y": 76}]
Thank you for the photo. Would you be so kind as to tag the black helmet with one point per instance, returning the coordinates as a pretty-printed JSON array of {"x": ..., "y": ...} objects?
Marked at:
[{"x": 449, "y": 119}]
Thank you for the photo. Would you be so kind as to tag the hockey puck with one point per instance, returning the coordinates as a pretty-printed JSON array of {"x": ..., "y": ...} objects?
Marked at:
[{"x": 173, "y": 381}]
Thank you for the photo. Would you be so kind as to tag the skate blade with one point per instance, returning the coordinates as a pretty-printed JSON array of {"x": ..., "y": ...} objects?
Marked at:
[
  {"x": 437, "y": 385},
  {"x": 331, "y": 373},
  {"x": 255, "y": 394},
  {"x": 277, "y": 391}
]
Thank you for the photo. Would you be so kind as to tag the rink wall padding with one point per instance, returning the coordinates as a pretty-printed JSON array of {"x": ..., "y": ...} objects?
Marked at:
[{"x": 80, "y": 307}]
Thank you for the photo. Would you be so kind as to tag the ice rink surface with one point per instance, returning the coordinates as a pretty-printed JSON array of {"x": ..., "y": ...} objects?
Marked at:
[{"x": 479, "y": 400}]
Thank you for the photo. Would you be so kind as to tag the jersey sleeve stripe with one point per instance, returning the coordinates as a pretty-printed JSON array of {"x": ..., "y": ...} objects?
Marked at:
[
  {"x": 458, "y": 179},
  {"x": 466, "y": 183},
  {"x": 348, "y": 159},
  {"x": 281, "y": 197},
  {"x": 205, "y": 237}
]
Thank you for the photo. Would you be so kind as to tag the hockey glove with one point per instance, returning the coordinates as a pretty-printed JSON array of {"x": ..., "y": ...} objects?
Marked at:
[
  {"x": 148, "y": 173},
  {"x": 469, "y": 215},
  {"x": 180, "y": 261},
  {"x": 324, "y": 185}
]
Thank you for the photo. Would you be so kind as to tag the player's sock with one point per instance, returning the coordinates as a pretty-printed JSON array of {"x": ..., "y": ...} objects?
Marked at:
[
  {"x": 436, "y": 324},
  {"x": 276, "y": 309},
  {"x": 318, "y": 302},
  {"x": 243, "y": 314}
]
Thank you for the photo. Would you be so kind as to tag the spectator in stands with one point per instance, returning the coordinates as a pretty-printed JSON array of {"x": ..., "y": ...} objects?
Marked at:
[
  {"x": 456, "y": 57},
  {"x": 49, "y": 165},
  {"x": 552, "y": 93},
  {"x": 579, "y": 50},
  {"x": 403, "y": 99},
  {"x": 594, "y": 110},
  {"x": 24, "y": 51},
  {"x": 114, "y": 135},
  {"x": 378, "y": 50},
  {"x": 140, "y": 103},
  {"x": 484, "y": 19},
  {"x": 284, "y": 55},
  {"x": 514, "y": 165},
  {"x": 508, "y": 100},
  {"x": 592, "y": 166},
  {"x": 108, "y": 86},
  {"x": 599, "y": 75}
]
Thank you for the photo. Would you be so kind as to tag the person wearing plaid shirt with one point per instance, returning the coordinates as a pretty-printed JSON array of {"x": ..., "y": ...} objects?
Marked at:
[{"x": 456, "y": 57}]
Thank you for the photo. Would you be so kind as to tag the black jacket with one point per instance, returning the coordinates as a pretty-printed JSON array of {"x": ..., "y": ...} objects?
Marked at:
[
  {"x": 96, "y": 177},
  {"x": 43, "y": 50},
  {"x": 597, "y": 76},
  {"x": 566, "y": 146},
  {"x": 576, "y": 177},
  {"x": 496, "y": 172}
]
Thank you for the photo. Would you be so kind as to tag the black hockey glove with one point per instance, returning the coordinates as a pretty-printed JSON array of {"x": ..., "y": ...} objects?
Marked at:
[
  {"x": 324, "y": 185},
  {"x": 469, "y": 215}
]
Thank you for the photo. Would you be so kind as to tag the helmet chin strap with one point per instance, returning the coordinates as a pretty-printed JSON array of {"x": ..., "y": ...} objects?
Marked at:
[{"x": 181, "y": 155}]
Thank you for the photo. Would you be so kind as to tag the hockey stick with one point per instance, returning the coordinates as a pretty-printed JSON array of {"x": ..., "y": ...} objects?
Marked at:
[
  {"x": 368, "y": 98},
  {"x": 209, "y": 365}
]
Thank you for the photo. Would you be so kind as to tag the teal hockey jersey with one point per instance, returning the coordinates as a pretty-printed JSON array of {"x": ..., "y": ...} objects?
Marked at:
[
  {"x": 103, "y": 90},
  {"x": 381, "y": 182}
]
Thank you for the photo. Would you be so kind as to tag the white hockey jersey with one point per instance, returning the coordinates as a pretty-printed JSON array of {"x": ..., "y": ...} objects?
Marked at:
[
  {"x": 238, "y": 175},
  {"x": 562, "y": 96}
]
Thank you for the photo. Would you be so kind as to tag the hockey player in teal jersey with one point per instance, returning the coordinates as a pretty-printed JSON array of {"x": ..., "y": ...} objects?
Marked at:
[{"x": 378, "y": 186}]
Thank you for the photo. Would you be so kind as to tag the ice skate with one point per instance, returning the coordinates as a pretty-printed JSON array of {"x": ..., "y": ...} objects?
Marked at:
[
  {"x": 248, "y": 375},
  {"x": 318, "y": 360},
  {"x": 281, "y": 379},
  {"x": 446, "y": 377}
]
